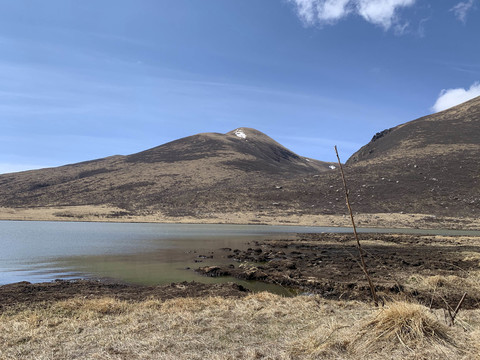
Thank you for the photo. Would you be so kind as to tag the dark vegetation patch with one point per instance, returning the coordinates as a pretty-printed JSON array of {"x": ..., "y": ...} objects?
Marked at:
[
  {"x": 117, "y": 214},
  {"x": 39, "y": 186},
  {"x": 67, "y": 214},
  {"x": 25, "y": 293}
]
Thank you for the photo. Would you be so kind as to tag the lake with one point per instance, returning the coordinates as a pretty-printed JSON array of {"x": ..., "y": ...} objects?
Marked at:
[{"x": 38, "y": 251}]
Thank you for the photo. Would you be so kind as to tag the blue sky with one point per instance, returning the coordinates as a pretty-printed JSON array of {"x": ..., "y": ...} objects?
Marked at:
[{"x": 86, "y": 79}]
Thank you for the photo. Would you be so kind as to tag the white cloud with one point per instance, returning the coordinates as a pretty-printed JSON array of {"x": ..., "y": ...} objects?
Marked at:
[
  {"x": 332, "y": 10},
  {"x": 461, "y": 10},
  {"x": 379, "y": 12},
  {"x": 306, "y": 10},
  {"x": 452, "y": 97}
]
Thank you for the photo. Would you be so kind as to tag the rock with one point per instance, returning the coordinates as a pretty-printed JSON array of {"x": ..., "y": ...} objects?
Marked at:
[{"x": 213, "y": 271}]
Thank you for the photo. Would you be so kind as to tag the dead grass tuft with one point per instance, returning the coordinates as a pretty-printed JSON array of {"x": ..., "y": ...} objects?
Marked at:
[{"x": 403, "y": 326}]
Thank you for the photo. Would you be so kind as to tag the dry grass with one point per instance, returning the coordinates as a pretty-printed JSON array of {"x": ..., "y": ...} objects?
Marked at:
[
  {"x": 441, "y": 287},
  {"x": 105, "y": 214},
  {"x": 260, "y": 326},
  {"x": 402, "y": 326}
]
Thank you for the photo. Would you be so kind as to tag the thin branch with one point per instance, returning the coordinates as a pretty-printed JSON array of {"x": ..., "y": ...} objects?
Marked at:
[
  {"x": 359, "y": 247},
  {"x": 458, "y": 307},
  {"x": 451, "y": 316}
]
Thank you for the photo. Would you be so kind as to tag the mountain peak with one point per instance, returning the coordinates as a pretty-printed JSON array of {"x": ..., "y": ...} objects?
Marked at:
[
  {"x": 245, "y": 133},
  {"x": 240, "y": 133}
]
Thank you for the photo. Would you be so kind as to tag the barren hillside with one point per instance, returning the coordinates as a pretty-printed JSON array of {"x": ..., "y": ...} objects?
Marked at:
[{"x": 428, "y": 166}]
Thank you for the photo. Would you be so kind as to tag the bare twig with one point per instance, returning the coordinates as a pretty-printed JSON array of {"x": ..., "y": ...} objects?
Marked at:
[
  {"x": 451, "y": 316},
  {"x": 359, "y": 247},
  {"x": 454, "y": 315}
]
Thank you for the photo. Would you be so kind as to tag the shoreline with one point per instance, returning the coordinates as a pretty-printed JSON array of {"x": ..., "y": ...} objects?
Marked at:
[
  {"x": 26, "y": 294},
  {"x": 372, "y": 220},
  {"x": 316, "y": 263}
]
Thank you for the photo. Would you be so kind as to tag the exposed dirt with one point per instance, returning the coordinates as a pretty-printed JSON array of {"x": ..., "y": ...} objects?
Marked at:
[
  {"x": 25, "y": 293},
  {"x": 327, "y": 264}
]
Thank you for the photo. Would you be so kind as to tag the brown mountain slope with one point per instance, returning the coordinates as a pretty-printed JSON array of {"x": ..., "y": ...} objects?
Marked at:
[
  {"x": 244, "y": 148},
  {"x": 454, "y": 130},
  {"x": 198, "y": 173},
  {"x": 427, "y": 166}
]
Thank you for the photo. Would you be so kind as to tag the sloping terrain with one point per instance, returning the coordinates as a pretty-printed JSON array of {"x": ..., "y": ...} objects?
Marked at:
[
  {"x": 428, "y": 166},
  {"x": 196, "y": 173},
  {"x": 445, "y": 133}
]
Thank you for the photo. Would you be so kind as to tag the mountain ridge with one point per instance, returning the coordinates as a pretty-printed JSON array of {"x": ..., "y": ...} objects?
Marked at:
[
  {"x": 426, "y": 166},
  {"x": 448, "y": 127},
  {"x": 171, "y": 172}
]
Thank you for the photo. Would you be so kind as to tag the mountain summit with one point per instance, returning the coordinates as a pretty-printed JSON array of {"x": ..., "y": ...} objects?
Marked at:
[
  {"x": 244, "y": 148},
  {"x": 209, "y": 170}
]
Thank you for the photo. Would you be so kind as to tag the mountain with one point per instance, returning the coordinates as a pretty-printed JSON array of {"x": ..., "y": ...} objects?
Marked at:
[
  {"x": 201, "y": 173},
  {"x": 424, "y": 169},
  {"x": 429, "y": 165},
  {"x": 456, "y": 130},
  {"x": 244, "y": 148}
]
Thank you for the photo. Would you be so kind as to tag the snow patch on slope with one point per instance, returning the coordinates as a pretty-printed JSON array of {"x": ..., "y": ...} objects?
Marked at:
[{"x": 240, "y": 133}]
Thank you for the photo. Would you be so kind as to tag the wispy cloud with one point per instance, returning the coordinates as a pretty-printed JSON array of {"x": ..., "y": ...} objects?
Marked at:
[
  {"x": 461, "y": 10},
  {"x": 383, "y": 13},
  {"x": 421, "y": 27},
  {"x": 452, "y": 97}
]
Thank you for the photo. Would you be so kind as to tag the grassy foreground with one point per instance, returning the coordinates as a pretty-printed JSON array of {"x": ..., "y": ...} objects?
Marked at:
[{"x": 259, "y": 326}]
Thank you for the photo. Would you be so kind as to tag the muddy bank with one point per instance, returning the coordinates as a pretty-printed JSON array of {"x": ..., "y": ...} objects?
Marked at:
[
  {"x": 433, "y": 270},
  {"x": 327, "y": 264},
  {"x": 25, "y": 293}
]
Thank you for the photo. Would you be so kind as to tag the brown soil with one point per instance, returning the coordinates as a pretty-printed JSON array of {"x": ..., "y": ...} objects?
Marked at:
[
  {"x": 25, "y": 293},
  {"x": 327, "y": 264}
]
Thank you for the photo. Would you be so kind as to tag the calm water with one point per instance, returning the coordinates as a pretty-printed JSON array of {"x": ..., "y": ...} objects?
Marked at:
[{"x": 138, "y": 253}]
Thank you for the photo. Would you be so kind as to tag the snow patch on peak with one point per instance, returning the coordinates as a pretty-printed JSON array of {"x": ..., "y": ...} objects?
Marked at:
[
  {"x": 240, "y": 133},
  {"x": 333, "y": 167}
]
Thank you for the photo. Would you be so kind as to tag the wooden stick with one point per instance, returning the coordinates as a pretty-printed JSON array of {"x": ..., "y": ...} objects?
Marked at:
[
  {"x": 458, "y": 308},
  {"x": 359, "y": 247}
]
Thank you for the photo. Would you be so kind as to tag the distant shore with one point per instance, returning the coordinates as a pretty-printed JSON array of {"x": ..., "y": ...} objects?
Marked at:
[{"x": 91, "y": 213}]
